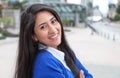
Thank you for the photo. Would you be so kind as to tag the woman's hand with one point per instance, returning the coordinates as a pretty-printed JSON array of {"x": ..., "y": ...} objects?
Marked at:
[{"x": 82, "y": 74}]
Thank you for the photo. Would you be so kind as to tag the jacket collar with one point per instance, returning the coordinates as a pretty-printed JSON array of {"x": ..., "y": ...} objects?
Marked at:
[{"x": 42, "y": 46}]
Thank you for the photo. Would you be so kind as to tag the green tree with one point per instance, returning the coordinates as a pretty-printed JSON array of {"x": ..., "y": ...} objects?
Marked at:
[
  {"x": 117, "y": 16},
  {"x": 17, "y": 5},
  {"x": 118, "y": 9}
]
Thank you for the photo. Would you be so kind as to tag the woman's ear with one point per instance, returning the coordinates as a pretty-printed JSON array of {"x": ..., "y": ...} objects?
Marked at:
[{"x": 34, "y": 38}]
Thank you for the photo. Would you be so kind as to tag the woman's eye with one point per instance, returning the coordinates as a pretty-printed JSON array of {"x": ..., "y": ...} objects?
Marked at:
[
  {"x": 54, "y": 21},
  {"x": 42, "y": 26}
]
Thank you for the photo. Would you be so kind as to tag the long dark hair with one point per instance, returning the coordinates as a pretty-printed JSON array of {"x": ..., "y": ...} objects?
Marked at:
[{"x": 27, "y": 49}]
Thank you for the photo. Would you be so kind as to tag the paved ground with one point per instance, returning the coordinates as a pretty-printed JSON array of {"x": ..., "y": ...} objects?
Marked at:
[{"x": 100, "y": 56}]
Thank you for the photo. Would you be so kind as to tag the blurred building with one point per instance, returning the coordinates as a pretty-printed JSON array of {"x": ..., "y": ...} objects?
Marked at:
[
  {"x": 10, "y": 13},
  {"x": 71, "y": 14},
  {"x": 118, "y": 1},
  {"x": 45, "y": 1},
  {"x": 88, "y": 5},
  {"x": 112, "y": 10},
  {"x": 3, "y": 3}
]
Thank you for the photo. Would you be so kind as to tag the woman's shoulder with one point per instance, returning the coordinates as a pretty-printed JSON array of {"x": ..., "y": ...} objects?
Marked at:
[
  {"x": 45, "y": 57},
  {"x": 46, "y": 61}
]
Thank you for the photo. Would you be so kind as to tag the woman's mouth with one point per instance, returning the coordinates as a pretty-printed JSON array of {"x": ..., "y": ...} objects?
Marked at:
[{"x": 54, "y": 37}]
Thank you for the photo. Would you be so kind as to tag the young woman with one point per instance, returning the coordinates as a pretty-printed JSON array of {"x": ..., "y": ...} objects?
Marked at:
[{"x": 43, "y": 49}]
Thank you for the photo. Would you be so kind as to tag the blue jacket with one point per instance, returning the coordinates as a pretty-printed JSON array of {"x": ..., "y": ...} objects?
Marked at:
[{"x": 48, "y": 65}]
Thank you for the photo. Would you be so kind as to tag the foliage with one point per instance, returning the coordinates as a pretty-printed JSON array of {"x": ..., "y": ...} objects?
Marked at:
[
  {"x": 118, "y": 9},
  {"x": 116, "y": 18},
  {"x": 8, "y": 34},
  {"x": 66, "y": 21},
  {"x": 1, "y": 20},
  {"x": 17, "y": 4},
  {"x": 3, "y": 30},
  {"x": 1, "y": 35},
  {"x": 5, "y": 33},
  {"x": 7, "y": 21}
]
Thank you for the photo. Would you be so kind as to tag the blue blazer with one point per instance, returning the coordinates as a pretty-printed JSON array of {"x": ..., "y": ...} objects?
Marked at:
[{"x": 48, "y": 66}]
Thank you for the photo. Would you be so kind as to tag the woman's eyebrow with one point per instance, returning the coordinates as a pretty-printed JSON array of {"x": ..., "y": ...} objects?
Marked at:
[
  {"x": 52, "y": 18},
  {"x": 41, "y": 24},
  {"x": 45, "y": 23}
]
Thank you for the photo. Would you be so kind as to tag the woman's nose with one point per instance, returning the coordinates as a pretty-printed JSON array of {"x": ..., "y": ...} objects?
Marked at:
[{"x": 52, "y": 29}]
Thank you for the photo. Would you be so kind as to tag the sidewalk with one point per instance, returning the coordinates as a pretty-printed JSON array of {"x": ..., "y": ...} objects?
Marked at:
[
  {"x": 91, "y": 48},
  {"x": 100, "y": 56}
]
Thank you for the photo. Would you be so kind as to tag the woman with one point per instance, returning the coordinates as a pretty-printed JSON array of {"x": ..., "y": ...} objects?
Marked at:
[{"x": 43, "y": 49}]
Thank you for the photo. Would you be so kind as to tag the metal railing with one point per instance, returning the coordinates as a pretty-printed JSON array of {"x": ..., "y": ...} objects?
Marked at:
[{"x": 106, "y": 30}]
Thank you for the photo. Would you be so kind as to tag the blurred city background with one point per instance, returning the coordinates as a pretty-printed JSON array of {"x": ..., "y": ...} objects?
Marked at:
[{"x": 92, "y": 28}]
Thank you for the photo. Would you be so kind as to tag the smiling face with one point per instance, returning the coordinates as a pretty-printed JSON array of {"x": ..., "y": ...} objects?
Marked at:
[{"x": 47, "y": 29}]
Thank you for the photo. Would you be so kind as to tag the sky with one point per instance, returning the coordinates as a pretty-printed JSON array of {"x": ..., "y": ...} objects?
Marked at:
[
  {"x": 74, "y": 1},
  {"x": 103, "y": 4}
]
